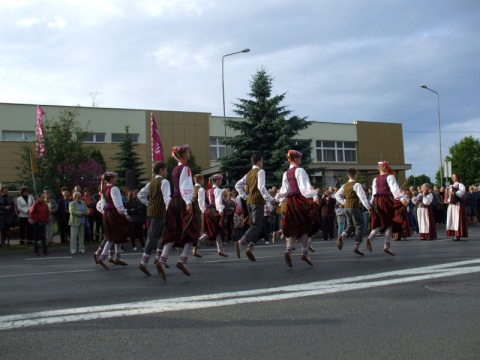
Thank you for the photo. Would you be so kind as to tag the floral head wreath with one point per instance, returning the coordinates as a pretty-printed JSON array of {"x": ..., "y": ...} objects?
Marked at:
[
  {"x": 178, "y": 149},
  {"x": 293, "y": 153},
  {"x": 215, "y": 177},
  {"x": 384, "y": 164}
]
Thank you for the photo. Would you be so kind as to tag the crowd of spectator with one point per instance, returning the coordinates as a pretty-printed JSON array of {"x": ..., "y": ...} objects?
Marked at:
[{"x": 78, "y": 221}]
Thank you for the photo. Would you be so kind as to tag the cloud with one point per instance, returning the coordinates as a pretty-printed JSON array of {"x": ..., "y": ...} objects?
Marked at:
[
  {"x": 58, "y": 23},
  {"x": 27, "y": 22},
  {"x": 337, "y": 61}
]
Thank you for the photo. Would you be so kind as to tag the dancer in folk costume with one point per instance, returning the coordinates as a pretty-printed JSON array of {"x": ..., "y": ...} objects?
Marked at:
[
  {"x": 256, "y": 198},
  {"x": 198, "y": 203},
  {"x": 181, "y": 227},
  {"x": 426, "y": 219},
  {"x": 116, "y": 221},
  {"x": 350, "y": 195},
  {"x": 388, "y": 207},
  {"x": 156, "y": 196},
  {"x": 456, "y": 211},
  {"x": 214, "y": 219},
  {"x": 300, "y": 212}
]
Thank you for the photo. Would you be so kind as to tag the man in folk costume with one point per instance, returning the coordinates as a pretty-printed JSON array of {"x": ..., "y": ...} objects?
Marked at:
[
  {"x": 350, "y": 195},
  {"x": 256, "y": 198},
  {"x": 116, "y": 221},
  {"x": 156, "y": 196},
  {"x": 298, "y": 221},
  {"x": 198, "y": 203},
  {"x": 426, "y": 219},
  {"x": 214, "y": 219},
  {"x": 456, "y": 211},
  {"x": 388, "y": 207},
  {"x": 181, "y": 227}
]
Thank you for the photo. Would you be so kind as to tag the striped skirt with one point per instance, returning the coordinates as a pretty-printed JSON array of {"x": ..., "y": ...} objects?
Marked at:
[
  {"x": 386, "y": 212},
  {"x": 213, "y": 223},
  {"x": 117, "y": 228},
  {"x": 181, "y": 227},
  {"x": 301, "y": 217}
]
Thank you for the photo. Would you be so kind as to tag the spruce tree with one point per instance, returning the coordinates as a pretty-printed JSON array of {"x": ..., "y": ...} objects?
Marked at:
[
  {"x": 268, "y": 129},
  {"x": 127, "y": 159}
]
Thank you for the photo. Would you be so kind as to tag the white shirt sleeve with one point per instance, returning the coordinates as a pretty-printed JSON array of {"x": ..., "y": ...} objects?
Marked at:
[
  {"x": 361, "y": 195},
  {"x": 117, "y": 200},
  {"x": 201, "y": 199},
  {"x": 261, "y": 186},
  {"x": 100, "y": 205},
  {"x": 461, "y": 190},
  {"x": 143, "y": 194},
  {"x": 218, "y": 199},
  {"x": 186, "y": 185},
  {"x": 374, "y": 187},
  {"x": 285, "y": 189},
  {"x": 304, "y": 184},
  {"x": 167, "y": 192},
  {"x": 394, "y": 188},
  {"x": 239, "y": 187},
  {"x": 427, "y": 200},
  {"x": 339, "y": 196}
]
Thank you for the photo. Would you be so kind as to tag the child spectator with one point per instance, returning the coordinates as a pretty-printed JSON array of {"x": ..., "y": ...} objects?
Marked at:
[
  {"x": 238, "y": 220},
  {"x": 340, "y": 212}
]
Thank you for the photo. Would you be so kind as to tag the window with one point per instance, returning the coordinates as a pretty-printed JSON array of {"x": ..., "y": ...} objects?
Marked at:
[
  {"x": 336, "y": 151},
  {"x": 94, "y": 137},
  {"x": 116, "y": 138},
  {"x": 19, "y": 136},
  {"x": 217, "y": 149}
]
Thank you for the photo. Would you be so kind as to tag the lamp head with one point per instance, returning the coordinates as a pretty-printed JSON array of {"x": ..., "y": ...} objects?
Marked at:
[
  {"x": 424, "y": 86},
  {"x": 245, "y": 50}
]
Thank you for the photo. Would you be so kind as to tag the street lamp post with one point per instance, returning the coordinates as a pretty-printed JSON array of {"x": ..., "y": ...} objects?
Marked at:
[
  {"x": 223, "y": 93},
  {"x": 439, "y": 131}
]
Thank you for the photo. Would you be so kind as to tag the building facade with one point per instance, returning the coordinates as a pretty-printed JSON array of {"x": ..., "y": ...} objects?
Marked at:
[{"x": 335, "y": 146}]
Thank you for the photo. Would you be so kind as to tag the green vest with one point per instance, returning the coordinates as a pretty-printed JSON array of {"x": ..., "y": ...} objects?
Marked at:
[
  {"x": 156, "y": 205},
  {"x": 351, "y": 199},
  {"x": 254, "y": 195}
]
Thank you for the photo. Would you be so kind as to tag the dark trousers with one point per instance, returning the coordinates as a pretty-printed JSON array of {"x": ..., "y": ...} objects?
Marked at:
[
  {"x": 26, "y": 229},
  {"x": 138, "y": 233},
  {"x": 229, "y": 226},
  {"x": 98, "y": 220},
  {"x": 64, "y": 230},
  {"x": 328, "y": 223},
  {"x": 39, "y": 235}
]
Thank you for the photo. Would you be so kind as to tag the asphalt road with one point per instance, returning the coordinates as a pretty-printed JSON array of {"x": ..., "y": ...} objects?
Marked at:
[{"x": 420, "y": 304}]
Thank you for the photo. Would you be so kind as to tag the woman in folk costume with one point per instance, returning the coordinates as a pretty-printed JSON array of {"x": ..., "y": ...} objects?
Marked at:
[
  {"x": 426, "y": 219},
  {"x": 388, "y": 207},
  {"x": 300, "y": 212},
  {"x": 116, "y": 221},
  {"x": 214, "y": 219},
  {"x": 456, "y": 211},
  {"x": 181, "y": 228}
]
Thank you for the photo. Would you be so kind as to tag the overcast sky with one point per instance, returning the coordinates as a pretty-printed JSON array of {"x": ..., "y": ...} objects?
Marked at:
[{"x": 338, "y": 60}]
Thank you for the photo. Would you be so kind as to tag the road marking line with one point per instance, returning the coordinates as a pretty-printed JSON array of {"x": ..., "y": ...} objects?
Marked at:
[
  {"x": 44, "y": 273},
  {"x": 240, "y": 297}
]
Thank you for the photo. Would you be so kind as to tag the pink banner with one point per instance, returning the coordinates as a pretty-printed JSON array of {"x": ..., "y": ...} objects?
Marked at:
[
  {"x": 40, "y": 147},
  {"x": 157, "y": 148}
]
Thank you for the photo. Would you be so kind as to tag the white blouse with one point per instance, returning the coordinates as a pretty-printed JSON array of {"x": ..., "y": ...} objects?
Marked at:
[
  {"x": 303, "y": 182},
  {"x": 392, "y": 184}
]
